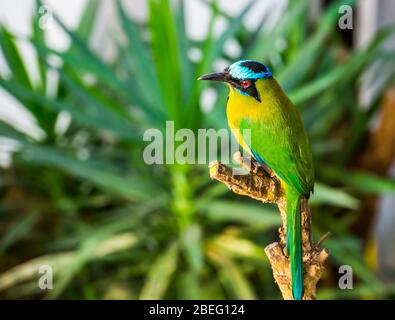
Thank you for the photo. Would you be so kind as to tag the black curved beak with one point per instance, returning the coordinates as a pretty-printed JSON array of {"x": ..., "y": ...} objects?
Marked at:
[{"x": 215, "y": 76}]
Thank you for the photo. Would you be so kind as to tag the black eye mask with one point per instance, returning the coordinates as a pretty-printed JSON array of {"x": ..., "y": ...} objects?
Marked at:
[{"x": 247, "y": 87}]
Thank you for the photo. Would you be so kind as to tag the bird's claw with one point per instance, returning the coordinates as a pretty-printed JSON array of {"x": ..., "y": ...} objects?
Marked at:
[
  {"x": 251, "y": 165},
  {"x": 245, "y": 163}
]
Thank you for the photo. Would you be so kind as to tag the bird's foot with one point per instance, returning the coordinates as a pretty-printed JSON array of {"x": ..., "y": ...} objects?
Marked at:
[
  {"x": 252, "y": 166},
  {"x": 245, "y": 162},
  {"x": 269, "y": 171}
]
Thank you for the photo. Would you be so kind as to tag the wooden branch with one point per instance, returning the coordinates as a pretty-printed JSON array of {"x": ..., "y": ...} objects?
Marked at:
[{"x": 262, "y": 185}]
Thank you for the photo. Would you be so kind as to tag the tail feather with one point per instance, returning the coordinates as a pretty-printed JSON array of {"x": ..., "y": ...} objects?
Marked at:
[{"x": 294, "y": 242}]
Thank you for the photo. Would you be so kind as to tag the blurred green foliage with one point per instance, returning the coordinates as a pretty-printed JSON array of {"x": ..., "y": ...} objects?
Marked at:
[{"x": 83, "y": 201}]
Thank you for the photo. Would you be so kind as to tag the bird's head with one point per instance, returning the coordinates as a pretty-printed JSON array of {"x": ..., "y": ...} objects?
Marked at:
[{"x": 242, "y": 75}]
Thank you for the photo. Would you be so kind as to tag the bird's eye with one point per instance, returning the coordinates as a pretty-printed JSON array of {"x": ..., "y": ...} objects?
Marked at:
[{"x": 245, "y": 83}]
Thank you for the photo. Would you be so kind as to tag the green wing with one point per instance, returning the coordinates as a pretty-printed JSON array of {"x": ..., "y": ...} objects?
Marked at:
[{"x": 281, "y": 143}]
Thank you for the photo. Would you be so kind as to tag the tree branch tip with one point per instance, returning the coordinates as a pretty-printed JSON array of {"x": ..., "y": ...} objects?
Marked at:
[
  {"x": 276, "y": 255},
  {"x": 323, "y": 238},
  {"x": 212, "y": 164},
  {"x": 273, "y": 247},
  {"x": 324, "y": 254},
  {"x": 213, "y": 168}
]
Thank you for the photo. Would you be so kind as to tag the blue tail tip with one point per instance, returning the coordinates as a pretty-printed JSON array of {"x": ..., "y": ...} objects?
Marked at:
[{"x": 297, "y": 294}]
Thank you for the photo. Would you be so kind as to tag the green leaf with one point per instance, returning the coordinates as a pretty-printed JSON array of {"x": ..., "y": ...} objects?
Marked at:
[
  {"x": 93, "y": 247},
  {"x": 39, "y": 37},
  {"x": 361, "y": 181},
  {"x": 164, "y": 46},
  {"x": 236, "y": 247},
  {"x": 187, "y": 71},
  {"x": 260, "y": 216},
  {"x": 87, "y": 20},
  {"x": 191, "y": 241},
  {"x": 343, "y": 72},
  {"x": 212, "y": 48},
  {"x": 68, "y": 263},
  {"x": 325, "y": 194},
  {"x": 84, "y": 59},
  {"x": 189, "y": 286},
  {"x": 265, "y": 45},
  {"x": 344, "y": 253},
  {"x": 233, "y": 278},
  {"x": 18, "y": 230},
  {"x": 96, "y": 172},
  {"x": 90, "y": 119},
  {"x": 13, "y": 58},
  {"x": 20, "y": 75},
  {"x": 160, "y": 274},
  {"x": 296, "y": 69},
  {"x": 139, "y": 63}
]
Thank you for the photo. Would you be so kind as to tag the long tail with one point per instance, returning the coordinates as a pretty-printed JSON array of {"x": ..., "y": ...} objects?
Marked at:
[{"x": 294, "y": 241}]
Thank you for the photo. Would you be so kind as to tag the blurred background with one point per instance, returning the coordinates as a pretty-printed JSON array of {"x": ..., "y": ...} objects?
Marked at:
[{"x": 81, "y": 81}]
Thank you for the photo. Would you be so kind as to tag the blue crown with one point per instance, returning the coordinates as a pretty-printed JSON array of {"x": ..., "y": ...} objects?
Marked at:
[{"x": 249, "y": 69}]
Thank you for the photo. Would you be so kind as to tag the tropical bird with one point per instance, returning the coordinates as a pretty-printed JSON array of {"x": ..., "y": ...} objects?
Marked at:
[{"x": 277, "y": 140}]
